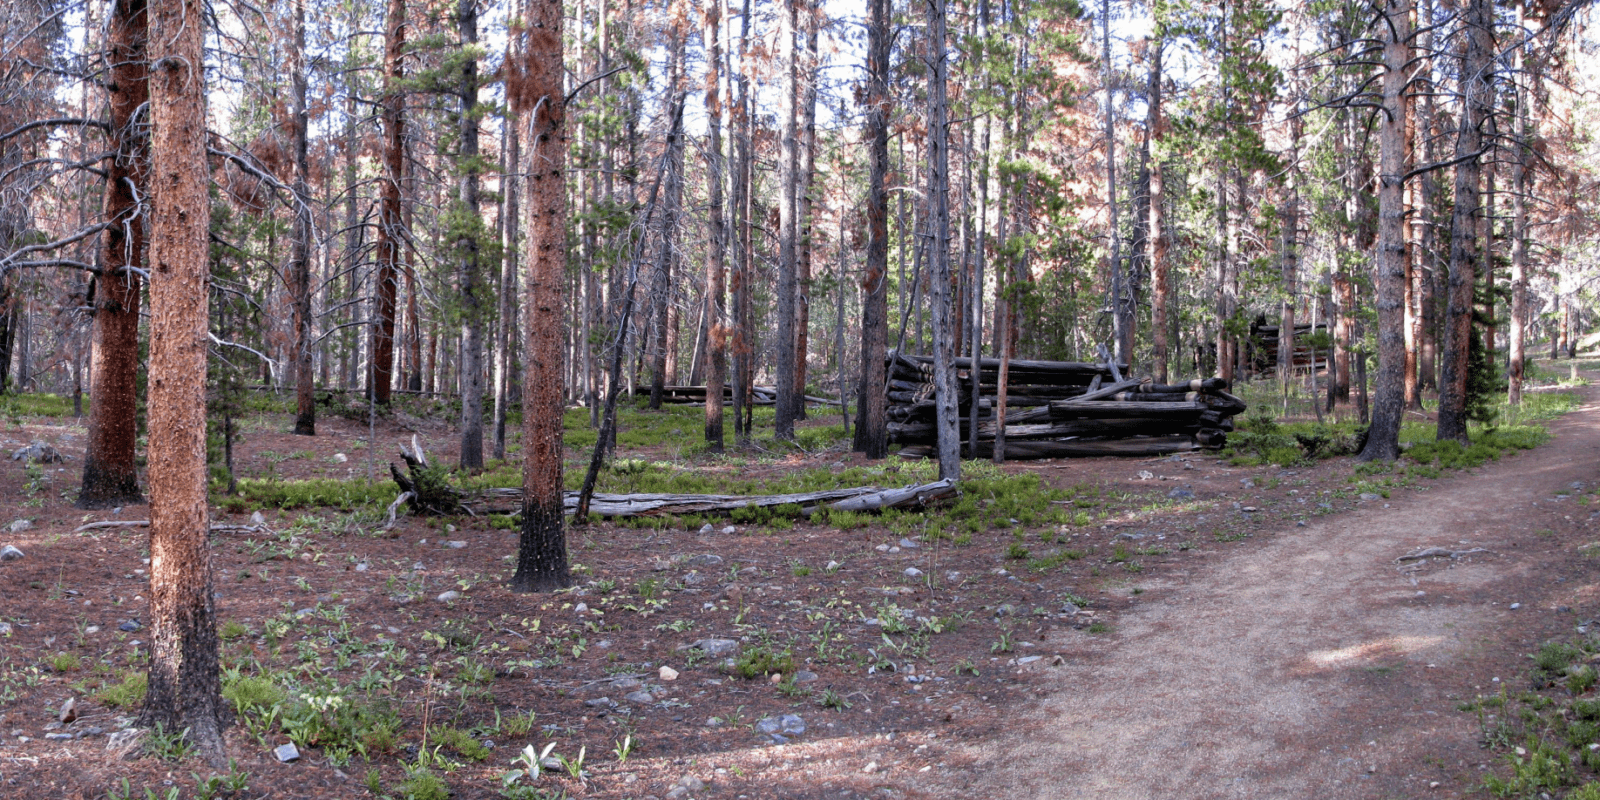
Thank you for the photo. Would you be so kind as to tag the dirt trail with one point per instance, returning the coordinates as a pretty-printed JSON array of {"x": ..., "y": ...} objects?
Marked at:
[{"x": 1313, "y": 665}]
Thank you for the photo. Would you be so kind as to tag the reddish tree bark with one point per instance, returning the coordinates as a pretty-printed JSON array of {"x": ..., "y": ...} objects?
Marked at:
[
  {"x": 110, "y": 471},
  {"x": 184, "y": 687}
]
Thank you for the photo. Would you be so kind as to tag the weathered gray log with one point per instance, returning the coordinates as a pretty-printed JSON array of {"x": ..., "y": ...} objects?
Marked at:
[
  {"x": 1121, "y": 409},
  {"x": 1074, "y": 448},
  {"x": 1037, "y": 424},
  {"x": 863, "y": 498}
]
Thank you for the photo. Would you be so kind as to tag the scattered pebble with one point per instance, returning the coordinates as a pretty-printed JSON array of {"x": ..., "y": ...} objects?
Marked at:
[
  {"x": 913, "y": 572},
  {"x": 449, "y": 596},
  {"x": 457, "y": 544},
  {"x": 668, "y": 674},
  {"x": 10, "y": 553},
  {"x": 706, "y": 529},
  {"x": 19, "y": 525},
  {"x": 340, "y": 458},
  {"x": 642, "y": 698},
  {"x": 286, "y": 752},
  {"x": 907, "y": 544}
]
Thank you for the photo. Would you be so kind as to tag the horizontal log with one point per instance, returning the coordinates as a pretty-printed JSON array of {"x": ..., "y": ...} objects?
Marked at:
[
  {"x": 1146, "y": 446},
  {"x": 1035, "y": 428},
  {"x": 863, "y": 498},
  {"x": 1119, "y": 409}
]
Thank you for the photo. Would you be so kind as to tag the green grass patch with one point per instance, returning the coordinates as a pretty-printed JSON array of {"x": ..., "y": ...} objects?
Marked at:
[{"x": 345, "y": 495}]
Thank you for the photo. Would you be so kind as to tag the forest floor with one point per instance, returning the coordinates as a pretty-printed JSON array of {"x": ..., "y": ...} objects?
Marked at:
[{"x": 1186, "y": 627}]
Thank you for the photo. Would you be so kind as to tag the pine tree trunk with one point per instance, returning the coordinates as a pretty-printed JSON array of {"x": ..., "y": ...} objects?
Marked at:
[
  {"x": 184, "y": 691},
  {"x": 1476, "y": 61},
  {"x": 542, "y": 555},
  {"x": 949, "y": 437},
  {"x": 305, "y": 422},
  {"x": 788, "y": 216},
  {"x": 471, "y": 276},
  {"x": 716, "y": 231},
  {"x": 807, "y": 126},
  {"x": 872, "y": 426},
  {"x": 510, "y": 187},
  {"x": 1383, "y": 437},
  {"x": 390, "y": 233},
  {"x": 1521, "y": 185},
  {"x": 110, "y": 469},
  {"x": 1160, "y": 270}
]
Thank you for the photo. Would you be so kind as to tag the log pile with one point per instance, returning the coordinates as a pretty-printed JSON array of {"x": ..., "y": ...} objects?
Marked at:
[
  {"x": 696, "y": 395},
  {"x": 1264, "y": 340},
  {"x": 1061, "y": 409}
]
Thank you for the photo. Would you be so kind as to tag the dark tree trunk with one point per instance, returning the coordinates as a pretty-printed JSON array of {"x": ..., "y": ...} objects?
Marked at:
[
  {"x": 470, "y": 249},
  {"x": 716, "y": 232},
  {"x": 1476, "y": 61},
  {"x": 390, "y": 234},
  {"x": 184, "y": 685},
  {"x": 872, "y": 429},
  {"x": 110, "y": 469},
  {"x": 1383, "y": 437},
  {"x": 939, "y": 279},
  {"x": 788, "y": 217},
  {"x": 305, "y": 421}
]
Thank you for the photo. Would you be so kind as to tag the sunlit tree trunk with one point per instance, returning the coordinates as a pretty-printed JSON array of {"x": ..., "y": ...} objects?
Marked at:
[
  {"x": 184, "y": 691},
  {"x": 470, "y": 250},
  {"x": 872, "y": 426},
  {"x": 542, "y": 554},
  {"x": 946, "y": 415},
  {"x": 716, "y": 231},
  {"x": 305, "y": 421}
]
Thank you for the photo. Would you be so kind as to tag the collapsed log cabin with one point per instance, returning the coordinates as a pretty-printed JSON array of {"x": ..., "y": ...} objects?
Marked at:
[{"x": 1060, "y": 409}]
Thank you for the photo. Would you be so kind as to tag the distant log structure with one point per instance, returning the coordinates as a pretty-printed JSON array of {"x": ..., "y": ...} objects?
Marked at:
[{"x": 1061, "y": 409}]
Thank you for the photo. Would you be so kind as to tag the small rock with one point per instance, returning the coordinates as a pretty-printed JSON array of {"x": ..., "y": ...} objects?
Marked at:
[
  {"x": 668, "y": 674},
  {"x": 805, "y": 676},
  {"x": 257, "y": 519},
  {"x": 5, "y": 629},
  {"x": 952, "y": 577},
  {"x": 706, "y": 529},
  {"x": 39, "y": 453},
  {"x": 601, "y": 702},
  {"x": 130, "y": 626},
  {"x": 1515, "y": 606},
  {"x": 730, "y": 529},
  {"x": 449, "y": 528},
  {"x": 340, "y": 458},
  {"x": 1249, "y": 509},
  {"x": 882, "y": 548},
  {"x": 693, "y": 579},
  {"x": 1370, "y": 496},
  {"x": 1181, "y": 494},
  {"x": 871, "y": 767},
  {"x": 286, "y": 752},
  {"x": 90, "y": 629},
  {"x": 9, "y": 553},
  {"x": 704, "y": 560},
  {"x": 582, "y": 608},
  {"x": 1029, "y": 659},
  {"x": 907, "y": 544},
  {"x": 642, "y": 698},
  {"x": 913, "y": 572},
  {"x": 1145, "y": 475},
  {"x": 457, "y": 544},
  {"x": 449, "y": 596},
  {"x": 626, "y": 684},
  {"x": 833, "y": 566},
  {"x": 362, "y": 567},
  {"x": 716, "y": 647},
  {"x": 60, "y": 737},
  {"x": 69, "y": 710},
  {"x": 788, "y": 725},
  {"x": 551, "y": 763}
]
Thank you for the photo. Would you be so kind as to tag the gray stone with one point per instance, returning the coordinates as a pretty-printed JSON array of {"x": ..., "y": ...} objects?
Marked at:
[
  {"x": 805, "y": 676},
  {"x": 704, "y": 560},
  {"x": 10, "y": 553},
  {"x": 1370, "y": 496},
  {"x": 457, "y": 545},
  {"x": 449, "y": 596},
  {"x": 693, "y": 579},
  {"x": 788, "y": 725},
  {"x": 362, "y": 567},
  {"x": 130, "y": 626},
  {"x": 551, "y": 763},
  {"x": 833, "y": 566},
  {"x": 5, "y": 629},
  {"x": 60, "y": 737},
  {"x": 706, "y": 529},
  {"x": 340, "y": 458},
  {"x": 642, "y": 698},
  {"x": 907, "y": 544},
  {"x": 716, "y": 647},
  {"x": 1181, "y": 494},
  {"x": 1029, "y": 659},
  {"x": 626, "y": 684},
  {"x": 1132, "y": 537},
  {"x": 38, "y": 453},
  {"x": 257, "y": 519},
  {"x": 286, "y": 752},
  {"x": 601, "y": 702},
  {"x": 20, "y": 525},
  {"x": 730, "y": 530},
  {"x": 913, "y": 572}
]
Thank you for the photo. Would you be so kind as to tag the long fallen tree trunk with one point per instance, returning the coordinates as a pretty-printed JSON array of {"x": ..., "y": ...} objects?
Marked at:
[{"x": 509, "y": 500}]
